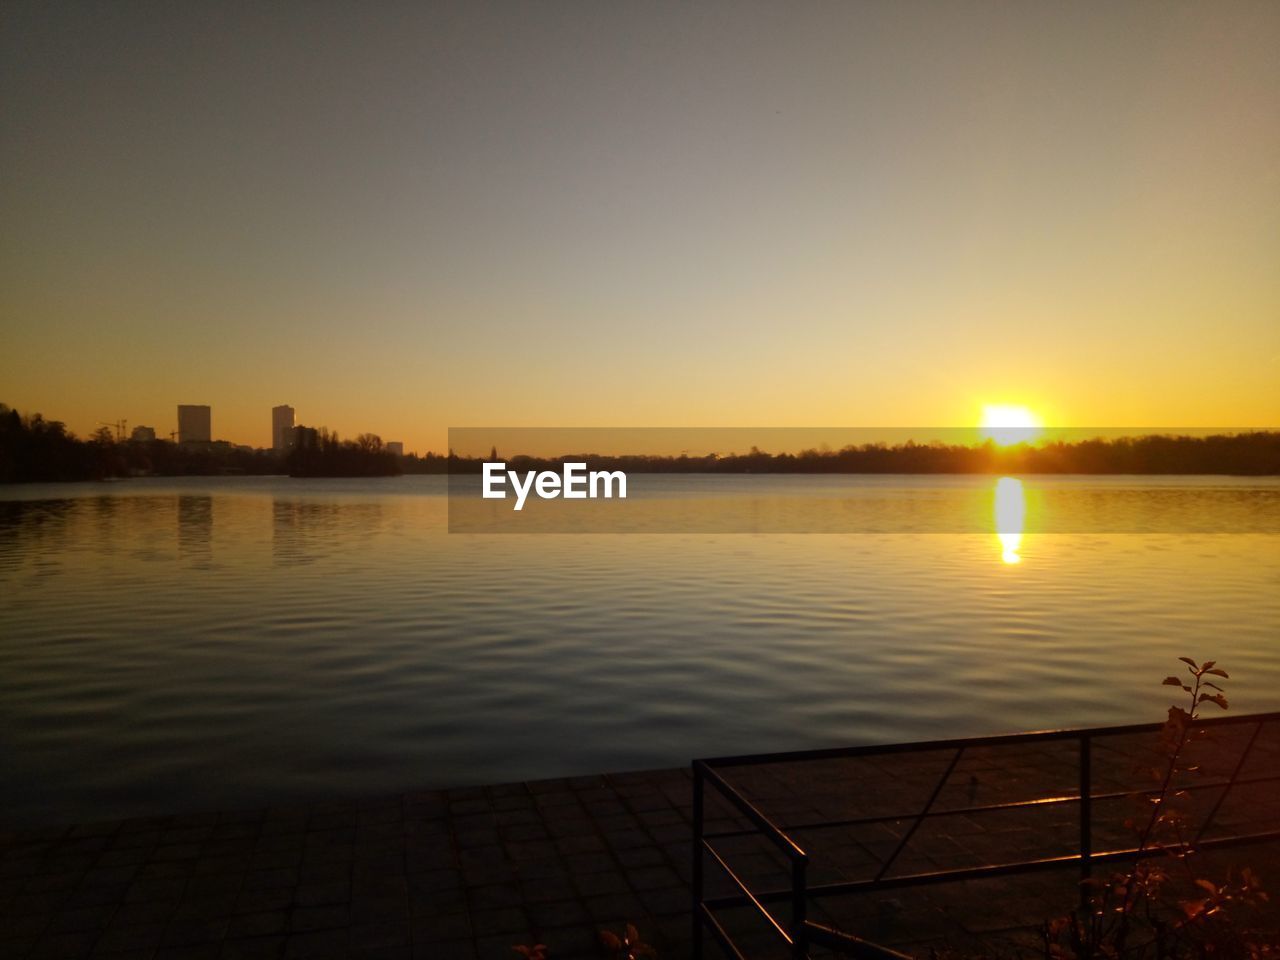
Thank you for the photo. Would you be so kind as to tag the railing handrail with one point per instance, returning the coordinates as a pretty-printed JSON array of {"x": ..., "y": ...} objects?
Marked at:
[
  {"x": 1056, "y": 801},
  {"x": 800, "y": 930},
  {"x": 748, "y": 809},
  {"x": 988, "y": 740}
]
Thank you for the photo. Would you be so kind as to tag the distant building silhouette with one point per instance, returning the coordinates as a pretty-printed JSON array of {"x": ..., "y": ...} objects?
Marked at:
[
  {"x": 282, "y": 435},
  {"x": 394, "y": 447},
  {"x": 304, "y": 438},
  {"x": 142, "y": 434},
  {"x": 194, "y": 423}
]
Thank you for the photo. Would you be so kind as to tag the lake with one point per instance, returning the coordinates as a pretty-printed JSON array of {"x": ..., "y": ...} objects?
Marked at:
[{"x": 189, "y": 644}]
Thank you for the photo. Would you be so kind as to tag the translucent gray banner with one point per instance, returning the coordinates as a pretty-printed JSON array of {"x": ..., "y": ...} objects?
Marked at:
[{"x": 1010, "y": 481}]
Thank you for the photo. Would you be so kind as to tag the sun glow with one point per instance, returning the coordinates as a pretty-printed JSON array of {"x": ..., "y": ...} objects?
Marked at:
[
  {"x": 1011, "y": 517},
  {"x": 1007, "y": 425}
]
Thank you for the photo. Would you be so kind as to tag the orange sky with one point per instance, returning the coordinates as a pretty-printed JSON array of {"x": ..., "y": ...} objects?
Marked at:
[{"x": 409, "y": 219}]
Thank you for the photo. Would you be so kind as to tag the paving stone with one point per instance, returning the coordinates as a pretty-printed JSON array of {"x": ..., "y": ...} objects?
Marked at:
[
  {"x": 184, "y": 932},
  {"x": 63, "y": 882},
  {"x": 482, "y": 874},
  {"x": 494, "y": 896},
  {"x": 368, "y": 936},
  {"x": 304, "y": 919},
  {"x": 121, "y": 939},
  {"x": 265, "y": 899},
  {"x": 602, "y": 883},
  {"x": 580, "y": 864},
  {"x": 255, "y": 948},
  {"x": 584, "y": 843},
  {"x": 558, "y": 913},
  {"x": 617, "y": 908},
  {"x": 327, "y": 943},
  {"x": 61, "y": 946},
  {"x": 499, "y": 947},
  {"x": 453, "y": 950},
  {"x": 259, "y": 924},
  {"x": 547, "y": 888},
  {"x": 504, "y": 920},
  {"x": 198, "y": 951},
  {"x": 279, "y": 877},
  {"x": 469, "y": 873},
  {"x": 634, "y": 857},
  {"x": 436, "y": 902},
  {"x": 447, "y": 927}
]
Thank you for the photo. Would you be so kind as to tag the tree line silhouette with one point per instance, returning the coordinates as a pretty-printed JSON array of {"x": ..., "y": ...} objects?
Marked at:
[
  {"x": 1253, "y": 453},
  {"x": 33, "y": 449},
  {"x": 323, "y": 454}
]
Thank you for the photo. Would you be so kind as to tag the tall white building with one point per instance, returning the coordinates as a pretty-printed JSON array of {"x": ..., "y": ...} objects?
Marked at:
[
  {"x": 194, "y": 423},
  {"x": 282, "y": 428}
]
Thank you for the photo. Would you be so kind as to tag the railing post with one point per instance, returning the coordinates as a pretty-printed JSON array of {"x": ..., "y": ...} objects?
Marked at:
[
  {"x": 1086, "y": 817},
  {"x": 696, "y": 881},
  {"x": 799, "y": 908}
]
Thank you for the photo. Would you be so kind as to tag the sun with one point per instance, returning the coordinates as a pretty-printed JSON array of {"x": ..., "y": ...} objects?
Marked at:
[{"x": 1007, "y": 425}]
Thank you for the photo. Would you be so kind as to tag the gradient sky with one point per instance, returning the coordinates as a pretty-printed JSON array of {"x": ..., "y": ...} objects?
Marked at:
[{"x": 401, "y": 218}]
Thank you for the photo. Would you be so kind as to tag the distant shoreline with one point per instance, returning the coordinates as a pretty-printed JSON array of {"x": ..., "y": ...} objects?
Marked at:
[
  {"x": 11, "y": 484},
  {"x": 33, "y": 449}
]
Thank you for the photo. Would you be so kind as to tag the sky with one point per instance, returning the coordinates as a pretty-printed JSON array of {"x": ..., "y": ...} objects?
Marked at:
[{"x": 401, "y": 218}]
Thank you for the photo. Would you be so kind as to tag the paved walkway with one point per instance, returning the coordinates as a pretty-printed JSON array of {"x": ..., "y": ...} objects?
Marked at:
[
  {"x": 439, "y": 875},
  {"x": 465, "y": 874}
]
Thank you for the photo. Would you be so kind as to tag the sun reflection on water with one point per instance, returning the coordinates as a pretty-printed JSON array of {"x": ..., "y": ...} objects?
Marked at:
[{"x": 1011, "y": 515}]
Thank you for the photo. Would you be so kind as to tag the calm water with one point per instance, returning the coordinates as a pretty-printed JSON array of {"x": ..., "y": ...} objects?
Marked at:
[{"x": 178, "y": 645}]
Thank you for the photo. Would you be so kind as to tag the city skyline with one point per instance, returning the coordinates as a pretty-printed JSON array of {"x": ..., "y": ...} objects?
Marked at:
[{"x": 594, "y": 215}]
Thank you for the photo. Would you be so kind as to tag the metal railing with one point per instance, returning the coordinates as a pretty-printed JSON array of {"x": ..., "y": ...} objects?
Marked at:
[{"x": 799, "y": 932}]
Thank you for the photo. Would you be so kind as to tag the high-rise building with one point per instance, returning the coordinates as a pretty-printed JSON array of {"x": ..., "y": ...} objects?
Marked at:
[
  {"x": 305, "y": 438},
  {"x": 394, "y": 447},
  {"x": 194, "y": 423},
  {"x": 143, "y": 434},
  {"x": 282, "y": 428}
]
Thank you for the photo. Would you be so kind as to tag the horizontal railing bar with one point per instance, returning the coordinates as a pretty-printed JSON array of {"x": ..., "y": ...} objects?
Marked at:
[
  {"x": 831, "y": 937},
  {"x": 996, "y": 870},
  {"x": 907, "y": 880},
  {"x": 722, "y": 936},
  {"x": 745, "y": 889},
  {"x": 920, "y": 818},
  {"x": 994, "y": 807},
  {"x": 771, "y": 830},
  {"x": 1004, "y": 739}
]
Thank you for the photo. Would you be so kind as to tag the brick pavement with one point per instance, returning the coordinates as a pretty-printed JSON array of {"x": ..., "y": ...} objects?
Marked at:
[{"x": 464, "y": 874}]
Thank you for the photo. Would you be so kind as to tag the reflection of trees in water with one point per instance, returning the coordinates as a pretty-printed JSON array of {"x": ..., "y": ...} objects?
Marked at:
[
  {"x": 31, "y": 531},
  {"x": 304, "y": 531},
  {"x": 195, "y": 528},
  {"x": 45, "y": 534}
]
